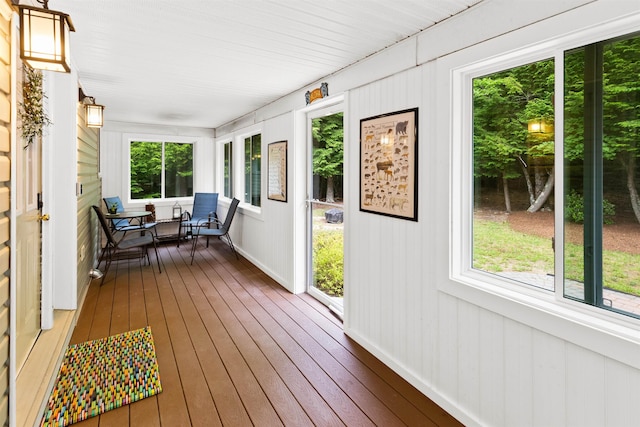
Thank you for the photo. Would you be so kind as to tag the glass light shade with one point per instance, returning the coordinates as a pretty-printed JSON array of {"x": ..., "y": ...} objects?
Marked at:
[
  {"x": 44, "y": 38},
  {"x": 540, "y": 126},
  {"x": 93, "y": 115},
  {"x": 177, "y": 210},
  {"x": 536, "y": 126}
]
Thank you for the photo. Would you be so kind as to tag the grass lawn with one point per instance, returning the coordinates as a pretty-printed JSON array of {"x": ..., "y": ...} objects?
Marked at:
[{"x": 498, "y": 248}]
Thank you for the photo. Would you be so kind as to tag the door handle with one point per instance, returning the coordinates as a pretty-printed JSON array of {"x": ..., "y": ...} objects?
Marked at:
[{"x": 44, "y": 217}]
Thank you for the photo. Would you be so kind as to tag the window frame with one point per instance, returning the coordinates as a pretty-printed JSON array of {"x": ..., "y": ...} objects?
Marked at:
[
  {"x": 608, "y": 332},
  {"x": 240, "y": 181},
  {"x": 594, "y": 289},
  {"x": 227, "y": 175},
  {"x": 221, "y": 147},
  {"x": 126, "y": 184},
  {"x": 462, "y": 171}
]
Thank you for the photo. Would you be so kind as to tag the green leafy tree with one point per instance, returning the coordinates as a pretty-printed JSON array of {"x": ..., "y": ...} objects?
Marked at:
[
  {"x": 146, "y": 167},
  {"x": 621, "y": 110},
  {"x": 498, "y": 136},
  {"x": 621, "y": 115},
  {"x": 328, "y": 152},
  {"x": 178, "y": 169},
  {"x": 504, "y": 103},
  {"x": 574, "y": 106}
]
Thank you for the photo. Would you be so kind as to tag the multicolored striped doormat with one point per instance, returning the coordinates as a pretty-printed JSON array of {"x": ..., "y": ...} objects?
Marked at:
[{"x": 104, "y": 374}]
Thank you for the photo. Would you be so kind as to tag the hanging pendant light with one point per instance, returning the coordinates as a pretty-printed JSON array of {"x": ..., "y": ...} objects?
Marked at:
[{"x": 44, "y": 38}]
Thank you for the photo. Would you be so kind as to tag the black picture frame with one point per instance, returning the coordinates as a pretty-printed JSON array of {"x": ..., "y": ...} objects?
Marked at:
[{"x": 389, "y": 164}]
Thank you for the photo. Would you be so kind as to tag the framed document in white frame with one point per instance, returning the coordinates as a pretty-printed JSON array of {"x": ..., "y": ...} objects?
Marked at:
[{"x": 277, "y": 176}]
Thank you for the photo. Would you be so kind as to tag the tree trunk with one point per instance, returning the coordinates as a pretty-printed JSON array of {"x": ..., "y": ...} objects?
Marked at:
[
  {"x": 631, "y": 186},
  {"x": 527, "y": 178},
  {"x": 330, "y": 197},
  {"x": 507, "y": 196},
  {"x": 545, "y": 193},
  {"x": 540, "y": 180}
]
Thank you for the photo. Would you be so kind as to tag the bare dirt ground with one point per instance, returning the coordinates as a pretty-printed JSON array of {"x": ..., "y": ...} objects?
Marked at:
[{"x": 623, "y": 236}]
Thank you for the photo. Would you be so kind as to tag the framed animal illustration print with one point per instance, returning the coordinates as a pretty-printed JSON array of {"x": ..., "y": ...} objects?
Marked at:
[{"x": 389, "y": 164}]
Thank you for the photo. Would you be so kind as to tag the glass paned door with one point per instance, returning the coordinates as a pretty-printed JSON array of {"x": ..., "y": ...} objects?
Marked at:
[{"x": 326, "y": 206}]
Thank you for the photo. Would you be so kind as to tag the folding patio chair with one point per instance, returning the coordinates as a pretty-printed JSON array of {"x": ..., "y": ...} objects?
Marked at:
[
  {"x": 204, "y": 209},
  {"x": 221, "y": 230},
  {"x": 126, "y": 247}
]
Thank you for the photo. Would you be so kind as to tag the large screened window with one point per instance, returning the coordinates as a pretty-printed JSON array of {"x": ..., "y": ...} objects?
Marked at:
[
  {"x": 601, "y": 147},
  {"x": 519, "y": 185},
  {"x": 161, "y": 170},
  {"x": 513, "y": 169},
  {"x": 252, "y": 175}
]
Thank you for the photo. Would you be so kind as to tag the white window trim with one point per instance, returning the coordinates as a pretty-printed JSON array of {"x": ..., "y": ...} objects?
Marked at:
[
  {"x": 238, "y": 167},
  {"x": 219, "y": 185},
  {"x": 612, "y": 334},
  {"x": 126, "y": 158}
]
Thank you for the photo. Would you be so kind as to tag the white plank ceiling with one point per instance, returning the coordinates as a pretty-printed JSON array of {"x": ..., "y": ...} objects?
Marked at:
[{"x": 203, "y": 63}]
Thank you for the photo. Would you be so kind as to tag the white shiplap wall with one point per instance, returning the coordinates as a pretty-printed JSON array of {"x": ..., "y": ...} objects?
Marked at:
[
  {"x": 114, "y": 167},
  {"x": 264, "y": 236},
  {"x": 268, "y": 241},
  {"x": 485, "y": 367}
]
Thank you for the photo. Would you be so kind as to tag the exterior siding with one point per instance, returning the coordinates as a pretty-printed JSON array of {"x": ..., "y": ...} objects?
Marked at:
[
  {"x": 89, "y": 193},
  {"x": 5, "y": 194}
]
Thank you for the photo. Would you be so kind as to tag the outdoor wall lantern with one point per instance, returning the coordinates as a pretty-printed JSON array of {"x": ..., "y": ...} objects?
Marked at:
[
  {"x": 537, "y": 126},
  {"x": 93, "y": 112},
  {"x": 44, "y": 37}
]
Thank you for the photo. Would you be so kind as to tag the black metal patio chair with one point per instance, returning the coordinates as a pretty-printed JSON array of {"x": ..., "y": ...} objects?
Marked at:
[{"x": 126, "y": 246}]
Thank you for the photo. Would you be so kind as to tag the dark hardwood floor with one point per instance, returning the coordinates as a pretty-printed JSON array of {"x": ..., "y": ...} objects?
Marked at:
[{"x": 236, "y": 349}]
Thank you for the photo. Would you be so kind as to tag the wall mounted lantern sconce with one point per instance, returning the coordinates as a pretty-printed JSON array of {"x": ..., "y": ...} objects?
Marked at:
[
  {"x": 537, "y": 126},
  {"x": 93, "y": 112},
  {"x": 44, "y": 37}
]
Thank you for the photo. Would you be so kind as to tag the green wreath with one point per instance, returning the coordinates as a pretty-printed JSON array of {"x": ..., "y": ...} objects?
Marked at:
[{"x": 31, "y": 112}]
